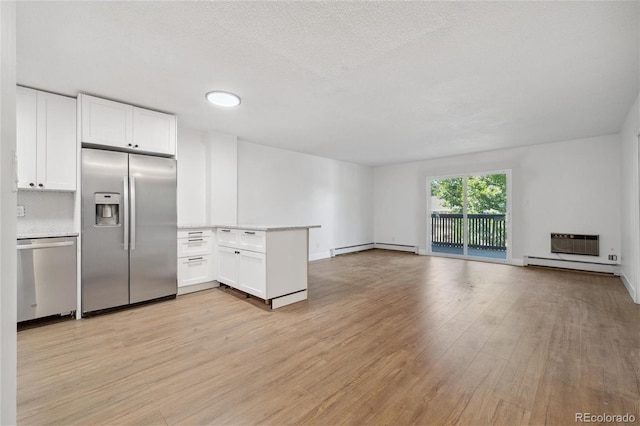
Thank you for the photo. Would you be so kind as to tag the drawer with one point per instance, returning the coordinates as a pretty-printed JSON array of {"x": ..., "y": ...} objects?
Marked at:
[
  {"x": 228, "y": 237},
  {"x": 195, "y": 246},
  {"x": 195, "y": 233},
  {"x": 252, "y": 240},
  {"x": 195, "y": 270}
]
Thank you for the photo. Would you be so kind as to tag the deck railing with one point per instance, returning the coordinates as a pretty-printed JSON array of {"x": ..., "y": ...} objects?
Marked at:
[{"x": 486, "y": 231}]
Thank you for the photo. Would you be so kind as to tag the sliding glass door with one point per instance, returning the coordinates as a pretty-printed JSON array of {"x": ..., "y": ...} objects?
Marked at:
[
  {"x": 447, "y": 218},
  {"x": 468, "y": 215}
]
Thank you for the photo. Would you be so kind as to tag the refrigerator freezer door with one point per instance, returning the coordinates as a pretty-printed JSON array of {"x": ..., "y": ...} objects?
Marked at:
[
  {"x": 153, "y": 227},
  {"x": 105, "y": 259}
]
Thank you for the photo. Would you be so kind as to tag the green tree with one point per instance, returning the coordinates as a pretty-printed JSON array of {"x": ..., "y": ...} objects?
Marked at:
[{"x": 485, "y": 194}]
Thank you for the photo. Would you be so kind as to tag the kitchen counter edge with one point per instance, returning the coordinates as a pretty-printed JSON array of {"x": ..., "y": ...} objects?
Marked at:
[
  {"x": 46, "y": 235},
  {"x": 252, "y": 227}
]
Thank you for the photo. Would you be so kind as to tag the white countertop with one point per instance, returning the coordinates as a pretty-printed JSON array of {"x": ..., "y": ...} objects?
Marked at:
[
  {"x": 47, "y": 235},
  {"x": 268, "y": 227},
  {"x": 253, "y": 227}
]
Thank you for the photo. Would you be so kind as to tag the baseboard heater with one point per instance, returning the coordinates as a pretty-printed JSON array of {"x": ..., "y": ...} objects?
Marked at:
[
  {"x": 351, "y": 249},
  {"x": 362, "y": 247},
  {"x": 398, "y": 247},
  {"x": 606, "y": 268}
]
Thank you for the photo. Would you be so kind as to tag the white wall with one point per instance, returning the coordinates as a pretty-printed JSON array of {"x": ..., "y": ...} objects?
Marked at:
[
  {"x": 630, "y": 200},
  {"x": 207, "y": 178},
  {"x": 224, "y": 178},
  {"x": 193, "y": 178},
  {"x": 571, "y": 186},
  {"x": 45, "y": 212},
  {"x": 7, "y": 214},
  {"x": 278, "y": 187}
]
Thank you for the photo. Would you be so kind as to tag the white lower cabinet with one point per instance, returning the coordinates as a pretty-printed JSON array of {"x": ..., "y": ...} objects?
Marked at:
[
  {"x": 244, "y": 270},
  {"x": 195, "y": 270},
  {"x": 196, "y": 260},
  {"x": 228, "y": 262},
  {"x": 271, "y": 265},
  {"x": 252, "y": 273}
]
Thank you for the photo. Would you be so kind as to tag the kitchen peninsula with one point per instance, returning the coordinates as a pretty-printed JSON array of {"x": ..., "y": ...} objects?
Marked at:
[{"x": 268, "y": 262}]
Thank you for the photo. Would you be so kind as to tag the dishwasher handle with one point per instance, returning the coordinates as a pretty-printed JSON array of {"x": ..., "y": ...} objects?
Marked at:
[{"x": 45, "y": 245}]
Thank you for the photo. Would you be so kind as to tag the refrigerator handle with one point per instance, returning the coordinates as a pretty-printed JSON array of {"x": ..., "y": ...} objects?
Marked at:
[
  {"x": 133, "y": 212},
  {"x": 125, "y": 196}
]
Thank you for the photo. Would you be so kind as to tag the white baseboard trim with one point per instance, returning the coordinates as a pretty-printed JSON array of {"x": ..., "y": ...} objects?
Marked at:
[
  {"x": 350, "y": 249},
  {"x": 422, "y": 252},
  {"x": 319, "y": 256},
  {"x": 397, "y": 247},
  {"x": 517, "y": 262},
  {"x": 197, "y": 287},
  {"x": 572, "y": 264},
  {"x": 288, "y": 299},
  {"x": 630, "y": 288}
]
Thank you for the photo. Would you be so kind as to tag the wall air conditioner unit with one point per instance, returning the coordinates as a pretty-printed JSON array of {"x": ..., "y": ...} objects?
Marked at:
[{"x": 588, "y": 245}]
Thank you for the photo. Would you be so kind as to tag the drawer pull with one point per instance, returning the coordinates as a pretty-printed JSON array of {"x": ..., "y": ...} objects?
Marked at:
[
  {"x": 225, "y": 230},
  {"x": 196, "y": 258},
  {"x": 198, "y": 233},
  {"x": 196, "y": 239},
  {"x": 250, "y": 232}
]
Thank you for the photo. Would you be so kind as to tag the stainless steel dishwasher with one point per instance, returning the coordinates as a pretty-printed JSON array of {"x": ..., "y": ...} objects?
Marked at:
[{"x": 46, "y": 277}]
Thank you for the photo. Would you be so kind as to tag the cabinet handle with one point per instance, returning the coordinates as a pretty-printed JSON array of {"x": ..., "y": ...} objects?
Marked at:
[
  {"x": 41, "y": 185},
  {"x": 135, "y": 146},
  {"x": 32, "y": 184},
  {"x": 237, "y": 252},
  {"x": 196, "y": 239},
  {"x": 225, "y": 230},
  {"x": 250, "y": 232},
  {"x": 195, "y": 258},
  {"x": 128, "y": 144}
]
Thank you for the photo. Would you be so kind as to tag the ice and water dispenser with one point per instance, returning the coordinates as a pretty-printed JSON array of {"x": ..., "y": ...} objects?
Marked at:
[{"x": 107, "y": 209}]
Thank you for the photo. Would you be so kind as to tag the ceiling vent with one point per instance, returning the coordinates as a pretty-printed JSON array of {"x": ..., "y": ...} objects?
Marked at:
[{"x": 575, "y": 244}]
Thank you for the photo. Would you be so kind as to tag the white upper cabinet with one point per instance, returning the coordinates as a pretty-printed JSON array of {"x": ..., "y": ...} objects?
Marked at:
[
  {"x": 26, "y": 134},
  {"x": 46, "y": 140},
  {"x": 57, "y": 147},
  {"x": 127, "y": 127},
  {"x": 154, "y": 131},
  {"x": 106, "y": 122}
]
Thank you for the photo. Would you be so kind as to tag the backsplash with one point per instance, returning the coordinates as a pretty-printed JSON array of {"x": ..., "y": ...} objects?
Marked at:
[{"x": 46, "y": 212}]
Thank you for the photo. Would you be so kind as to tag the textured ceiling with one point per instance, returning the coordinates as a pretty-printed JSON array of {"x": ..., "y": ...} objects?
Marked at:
[{"x": 368, "y": 82}]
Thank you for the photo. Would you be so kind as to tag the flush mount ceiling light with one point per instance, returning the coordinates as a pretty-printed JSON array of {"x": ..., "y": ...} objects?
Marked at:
[{"x": 223, "y": 99}]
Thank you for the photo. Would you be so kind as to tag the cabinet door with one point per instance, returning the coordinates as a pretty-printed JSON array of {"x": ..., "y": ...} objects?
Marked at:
[
  {"x": 106, "y": 122},
  {"x": 252, "y": 275},
  {"x": 228, "y": 266},
  {"x": 56, "y": 148},
  {"x": 26, "y": 117},
  {"x": 154, "y": 131}
]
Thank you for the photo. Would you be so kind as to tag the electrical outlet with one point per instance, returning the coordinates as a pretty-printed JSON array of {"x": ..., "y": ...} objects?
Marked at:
[
  {"x": 613, "y": 257},
  {"x": 20, "y": 211}
]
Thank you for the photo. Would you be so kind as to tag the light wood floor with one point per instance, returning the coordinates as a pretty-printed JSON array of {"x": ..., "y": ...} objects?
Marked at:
[{"x": 386, "y": 338}]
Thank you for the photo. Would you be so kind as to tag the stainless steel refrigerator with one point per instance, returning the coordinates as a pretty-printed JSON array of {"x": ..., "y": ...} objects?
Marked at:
[{"x": 129, "y": 229}]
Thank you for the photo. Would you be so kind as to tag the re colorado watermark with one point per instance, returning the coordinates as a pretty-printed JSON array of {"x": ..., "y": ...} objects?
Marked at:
[{"x": 605, "y": 418}]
